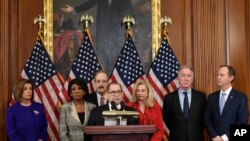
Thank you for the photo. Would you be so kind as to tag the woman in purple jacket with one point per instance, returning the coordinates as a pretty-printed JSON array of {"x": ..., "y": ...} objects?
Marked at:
[{"x": 25, "y": 120}]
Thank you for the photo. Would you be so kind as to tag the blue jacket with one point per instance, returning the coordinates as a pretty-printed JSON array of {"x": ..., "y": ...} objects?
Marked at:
[
  {"x": 235, "y": 112},
  {"x": 26, "y": 123}
]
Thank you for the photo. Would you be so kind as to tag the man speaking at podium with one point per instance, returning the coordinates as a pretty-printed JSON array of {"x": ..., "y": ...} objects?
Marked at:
[{"x": 115, "y": 103}]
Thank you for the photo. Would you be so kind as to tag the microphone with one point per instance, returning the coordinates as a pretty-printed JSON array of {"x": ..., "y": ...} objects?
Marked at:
[
  {"x": 122, "y": 105},
  {"x": 113, "y": 105}
]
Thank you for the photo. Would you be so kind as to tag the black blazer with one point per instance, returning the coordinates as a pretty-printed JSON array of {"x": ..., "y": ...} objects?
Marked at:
[
  {"x": 96, "y": 117},
  {"x": 235, "y": 112},
  {"x": 92, "y": 98},
  {"x": 173, "y": 117}
]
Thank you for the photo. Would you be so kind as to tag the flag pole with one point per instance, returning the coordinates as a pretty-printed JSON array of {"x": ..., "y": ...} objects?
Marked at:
[{"x": 165, "y": 21}]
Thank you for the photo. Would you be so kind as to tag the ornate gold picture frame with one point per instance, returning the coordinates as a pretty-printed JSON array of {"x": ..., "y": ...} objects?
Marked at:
[{"x": 49, "y": 29}]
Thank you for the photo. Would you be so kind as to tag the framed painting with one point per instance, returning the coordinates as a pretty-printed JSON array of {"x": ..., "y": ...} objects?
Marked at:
[{"x": 63, "y": 33}]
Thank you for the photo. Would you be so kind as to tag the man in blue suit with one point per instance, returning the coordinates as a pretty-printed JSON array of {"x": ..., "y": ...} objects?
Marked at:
[{"x": 225, "y": 107}]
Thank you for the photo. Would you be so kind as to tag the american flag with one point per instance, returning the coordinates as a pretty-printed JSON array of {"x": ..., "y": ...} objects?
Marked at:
[
  {"x": 128, "y": 68},
  {"x": 163, "y": 73},
  {"x": 47, "y": 85},
  {"x": 86, "y": 63}
]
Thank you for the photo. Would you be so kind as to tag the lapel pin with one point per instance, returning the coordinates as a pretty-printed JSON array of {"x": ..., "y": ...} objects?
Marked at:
[{"x": 36, "y": 112}]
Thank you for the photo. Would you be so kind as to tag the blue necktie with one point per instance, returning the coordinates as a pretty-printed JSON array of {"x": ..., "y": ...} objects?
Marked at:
[
  {"x": 222, "y": 102},
  {"x": 185, "y": 106}
]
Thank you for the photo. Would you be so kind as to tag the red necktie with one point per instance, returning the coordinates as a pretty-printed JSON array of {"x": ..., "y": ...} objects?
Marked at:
[{"x": 102, "y": 100}]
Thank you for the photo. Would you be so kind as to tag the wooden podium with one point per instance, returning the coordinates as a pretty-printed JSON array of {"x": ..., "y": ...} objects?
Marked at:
[{"x": 120, "y": 133}]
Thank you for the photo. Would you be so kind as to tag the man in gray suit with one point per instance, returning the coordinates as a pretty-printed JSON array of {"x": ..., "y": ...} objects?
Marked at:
[
  {"x": 225, "y": 106},
  {"x": 183, "y": 109}
]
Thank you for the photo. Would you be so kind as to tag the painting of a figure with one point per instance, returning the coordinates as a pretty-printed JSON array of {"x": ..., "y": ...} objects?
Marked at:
[{"x": 107, "y": 34}]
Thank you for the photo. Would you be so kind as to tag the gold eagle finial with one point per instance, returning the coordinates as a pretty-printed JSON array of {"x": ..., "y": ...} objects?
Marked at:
[{"x": 86, "y": 20}]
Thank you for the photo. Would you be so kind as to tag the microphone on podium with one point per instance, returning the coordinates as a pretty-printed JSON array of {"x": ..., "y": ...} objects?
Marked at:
[
  {"x": 118, "y": 116},
  {"x": 122, "y": 106},
  {"x": 113, "y": 105}
]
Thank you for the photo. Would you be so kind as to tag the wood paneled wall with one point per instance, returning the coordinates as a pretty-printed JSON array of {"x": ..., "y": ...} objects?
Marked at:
[
  {"x": 208, "y": 33},
  {"x": 204, "y": 34},
  {"x": 17, "y": 39},
  {"x": 4, "y": 64}
]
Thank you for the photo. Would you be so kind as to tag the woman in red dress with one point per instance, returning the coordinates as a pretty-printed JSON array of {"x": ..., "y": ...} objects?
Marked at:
[{"x": 149, "y": 110}]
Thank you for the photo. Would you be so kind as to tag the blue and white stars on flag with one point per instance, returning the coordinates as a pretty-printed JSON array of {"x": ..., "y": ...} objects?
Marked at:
[
  {"x": 163, "y": 72},
  {"x": 128, "y": 68},
  {"x": 47, "y": 86},
  {"x": 86, "y": 64}
]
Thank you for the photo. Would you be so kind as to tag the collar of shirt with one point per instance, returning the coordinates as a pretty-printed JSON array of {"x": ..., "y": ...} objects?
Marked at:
[
  {"x": 227, "y": 92},
  {"x": 98, "y": 98},
  {"x": 181, "y": 96},
  {"x": 180, "y": 91}
]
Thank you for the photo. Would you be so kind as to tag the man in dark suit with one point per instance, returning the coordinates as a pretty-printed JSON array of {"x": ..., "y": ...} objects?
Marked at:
[
  {"x": 183, "y": 109},
  {"x": 225, "y": 107},
  {"x": 114, "y": 94},
  {"x": 99, "y": 98}
]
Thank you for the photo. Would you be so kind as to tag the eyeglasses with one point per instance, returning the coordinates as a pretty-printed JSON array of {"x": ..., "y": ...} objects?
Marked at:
[
  {"x": 115, "y": 92},
  {"x": 101, "y": 81}
]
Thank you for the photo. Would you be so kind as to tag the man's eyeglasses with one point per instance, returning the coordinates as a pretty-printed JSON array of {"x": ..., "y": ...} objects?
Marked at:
[
  {"x": 101, "y": 81},
  {"x": 115, "y": 92}
]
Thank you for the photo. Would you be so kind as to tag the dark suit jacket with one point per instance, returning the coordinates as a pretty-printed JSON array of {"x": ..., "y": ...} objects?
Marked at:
[
  {"x": 92, "y": 98},
  {"x": 173, "y": 117},
  {"x": 235, "y": 112},
  {"x": 96, "y": 117}
]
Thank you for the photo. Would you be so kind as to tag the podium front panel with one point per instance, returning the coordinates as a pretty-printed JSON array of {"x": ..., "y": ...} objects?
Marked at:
[{"x": 120, "y": 133}]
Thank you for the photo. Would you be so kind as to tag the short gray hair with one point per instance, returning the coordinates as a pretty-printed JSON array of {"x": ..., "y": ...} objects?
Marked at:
[{"x": 185, "y": 67}]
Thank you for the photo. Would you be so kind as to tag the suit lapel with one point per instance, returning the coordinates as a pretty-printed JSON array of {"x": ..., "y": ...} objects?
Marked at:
[
  {"x": 228, "y": 102},
  {"x": 86, "y": 108},
  {"x": 193, "y": 103},
  {"x": 217, "y": 103},
  {"x": 178, "y": 105},
  {"x": 74, "y": 113},
  {"x": 106, "y": 107},
  {"x": 96, "y": 100}
]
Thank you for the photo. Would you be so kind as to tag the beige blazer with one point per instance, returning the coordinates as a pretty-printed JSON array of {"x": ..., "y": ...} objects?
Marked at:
[{"x": 70, "y": 127}]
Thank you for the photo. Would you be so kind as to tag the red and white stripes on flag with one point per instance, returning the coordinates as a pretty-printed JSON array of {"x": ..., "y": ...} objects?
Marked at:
[
  {"x": 47, "y": 85},
  {"x": 128, "y": 68},
  {"x": 163, "y": 72},
  {"x": 86, "y": 64}
]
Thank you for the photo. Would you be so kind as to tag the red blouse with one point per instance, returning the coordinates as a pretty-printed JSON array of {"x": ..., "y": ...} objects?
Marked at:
[{"x": 151, "y": 116}]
